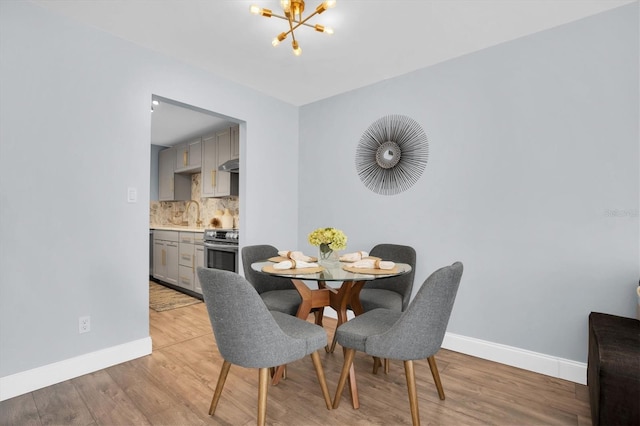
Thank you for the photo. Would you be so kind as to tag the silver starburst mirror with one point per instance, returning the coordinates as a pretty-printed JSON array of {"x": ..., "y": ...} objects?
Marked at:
[{"x": 392, "y": 154}]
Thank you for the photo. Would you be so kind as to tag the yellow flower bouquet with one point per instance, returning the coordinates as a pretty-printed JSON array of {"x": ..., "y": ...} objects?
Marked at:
[{"x": 328, "y": 240}]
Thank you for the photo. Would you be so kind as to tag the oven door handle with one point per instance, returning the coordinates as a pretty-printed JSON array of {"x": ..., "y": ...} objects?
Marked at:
[{"x": 221, "y": 247}]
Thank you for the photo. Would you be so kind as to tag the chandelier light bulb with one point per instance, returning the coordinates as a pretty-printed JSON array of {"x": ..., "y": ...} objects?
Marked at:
[
  {"x": 330, "y": 4},
  {"x": 260, "y": 11},
  {"x": 276, "y": 41},
  {"x": 323, "y": 29},
  {"x": 296, "y": 48}
]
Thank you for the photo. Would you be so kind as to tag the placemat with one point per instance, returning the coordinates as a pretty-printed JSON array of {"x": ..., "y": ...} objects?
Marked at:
[
  {"x": 299, "y": 271},
  {"x": 370, "y": 271},
  {"x": 282, "y": 258}
]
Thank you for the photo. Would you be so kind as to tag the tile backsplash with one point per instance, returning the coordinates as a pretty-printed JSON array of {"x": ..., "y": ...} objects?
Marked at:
[{"x": 167, "y": 213}]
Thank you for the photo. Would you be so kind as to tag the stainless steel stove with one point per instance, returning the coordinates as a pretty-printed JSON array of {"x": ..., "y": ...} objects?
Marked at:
[{"x": 221, "y": 249}]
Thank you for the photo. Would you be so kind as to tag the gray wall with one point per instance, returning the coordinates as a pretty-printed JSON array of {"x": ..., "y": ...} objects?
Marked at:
[
  {"x": 532, "y": 180},
  {"x": 75, "y": 135}
]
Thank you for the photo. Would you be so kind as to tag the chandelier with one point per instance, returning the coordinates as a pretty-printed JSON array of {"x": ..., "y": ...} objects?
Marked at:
[{"x": 293, "y": 14}]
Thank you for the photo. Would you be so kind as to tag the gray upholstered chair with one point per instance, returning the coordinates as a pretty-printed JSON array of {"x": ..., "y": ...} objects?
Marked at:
[
  {"x": 414, "y": 334},
  {"x": 395, "y": 292},
  {"x": 390, "y": 293},
  {"x": 279, "y": 294},
  {"x": 249, "y": 335}
]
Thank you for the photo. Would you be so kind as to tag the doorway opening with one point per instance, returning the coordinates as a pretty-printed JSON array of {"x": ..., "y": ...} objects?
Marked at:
[{"x": 191, "y": 190}]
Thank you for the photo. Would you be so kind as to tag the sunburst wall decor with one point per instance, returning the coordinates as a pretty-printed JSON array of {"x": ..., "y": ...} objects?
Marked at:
[{"x": 392, "y": 154}]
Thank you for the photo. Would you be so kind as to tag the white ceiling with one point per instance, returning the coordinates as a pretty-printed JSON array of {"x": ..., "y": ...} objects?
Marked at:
[
  {"x": 374, "y": 39},
  {"x": 173, "y": 122}
]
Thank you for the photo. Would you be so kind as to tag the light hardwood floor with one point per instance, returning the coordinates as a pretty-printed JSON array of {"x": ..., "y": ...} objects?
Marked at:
[{"x": 174, "y": 386}]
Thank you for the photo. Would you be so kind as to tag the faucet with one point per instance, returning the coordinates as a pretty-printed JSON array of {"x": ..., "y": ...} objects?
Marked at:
[{"x": 198, "y": 221}]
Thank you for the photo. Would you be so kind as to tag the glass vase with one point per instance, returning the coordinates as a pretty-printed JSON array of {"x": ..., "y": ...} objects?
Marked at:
[{"x": 326, "y": 255}]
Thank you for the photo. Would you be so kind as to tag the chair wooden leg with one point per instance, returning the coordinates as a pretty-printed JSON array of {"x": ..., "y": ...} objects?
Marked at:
[
  {"x": 436, "y": 376},
  {"x": 348, "y": 360},
  {"x": 386, "y": 366},
  {"x": 413, "y": 394},
  {"x": 331, "y": 348},
  {"x": 277, "y": 373},
  {"x": 263, "y": 386},
  {"x": 221, "y": 379},
  {"x": 376, "y": 364},
  {"x": 321, "y": 378},
  {"x": 353, "y": 388}
]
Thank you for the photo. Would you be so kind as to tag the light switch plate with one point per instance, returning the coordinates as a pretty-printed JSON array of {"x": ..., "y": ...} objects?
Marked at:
[{"x": 132, "y": 195}]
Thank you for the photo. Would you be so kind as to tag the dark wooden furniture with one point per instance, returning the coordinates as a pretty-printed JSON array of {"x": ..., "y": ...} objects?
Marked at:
[{"x": 613, "y": 371}]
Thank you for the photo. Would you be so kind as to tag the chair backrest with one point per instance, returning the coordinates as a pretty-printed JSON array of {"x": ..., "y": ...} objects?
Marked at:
[
  {"x": 262, "y": 282},
  {"x": 246, "y": 333},
  {"x": 402, "y": 284},
  {"x": 419, "y": 332}
]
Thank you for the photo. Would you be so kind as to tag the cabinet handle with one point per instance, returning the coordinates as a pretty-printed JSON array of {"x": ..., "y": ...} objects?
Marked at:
[
  {"x": 185, "y": 156},
  {"x": 213, "y": 178}
]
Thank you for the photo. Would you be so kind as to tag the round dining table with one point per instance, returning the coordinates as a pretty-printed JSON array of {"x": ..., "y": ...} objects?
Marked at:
[{"x": 340, "y": 296}]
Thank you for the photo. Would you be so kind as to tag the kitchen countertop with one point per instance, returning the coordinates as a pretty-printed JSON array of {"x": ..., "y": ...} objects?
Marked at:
[{"x": 177, "y": 228}]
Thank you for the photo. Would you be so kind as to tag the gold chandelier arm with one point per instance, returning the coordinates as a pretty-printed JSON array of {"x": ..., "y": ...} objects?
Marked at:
[
  {"x": 277, "y": 16},
  {"x": 293, "y": 36},
  {"x": 303, "y": 22},
  {"x": 298, "y": 23}
]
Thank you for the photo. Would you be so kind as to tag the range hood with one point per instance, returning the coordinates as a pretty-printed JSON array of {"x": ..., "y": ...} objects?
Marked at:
[{"x": 232, "y": 166}]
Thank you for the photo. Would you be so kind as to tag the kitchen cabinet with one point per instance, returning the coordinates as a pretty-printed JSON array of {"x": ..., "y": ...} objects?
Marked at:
[
  {"x": 216, "y": 149},
  {"x": 165, "y": 256},
  {"x": 189, "y": 157},
  {"x": 235, "y": 142},
  {"x": 186, "y": 261},
  {"x": 191, "y": 255},
  {"x": 199, "y": 257},
  {"x": 171, "y": 186}
]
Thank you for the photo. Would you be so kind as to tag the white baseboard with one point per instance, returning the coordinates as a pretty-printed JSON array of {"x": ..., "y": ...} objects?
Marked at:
[
  {"x": 553, "y": 366},
  {"x": 549, "y": 365},
  {"x": 47, "y": 375}
]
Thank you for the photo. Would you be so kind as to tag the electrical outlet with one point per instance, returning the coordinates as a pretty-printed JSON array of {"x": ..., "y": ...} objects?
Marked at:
[{"x": 84, "y": 324}]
